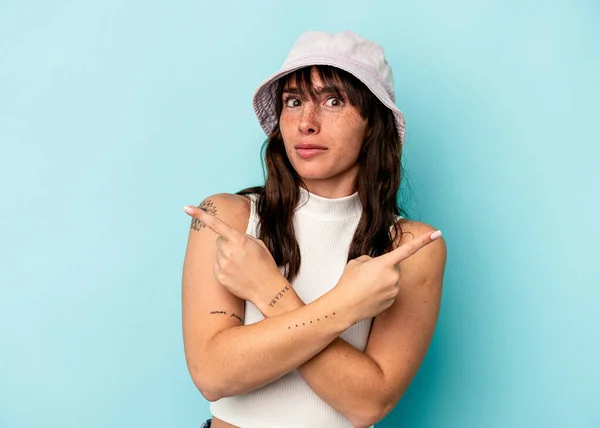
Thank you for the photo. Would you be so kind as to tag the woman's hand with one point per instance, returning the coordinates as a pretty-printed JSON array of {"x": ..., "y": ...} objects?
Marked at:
[
  {"x": 370, "y": 285},
  {"x": 243, "y": 264}
]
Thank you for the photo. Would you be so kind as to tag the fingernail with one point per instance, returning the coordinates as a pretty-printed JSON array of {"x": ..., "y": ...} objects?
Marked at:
[
  {"x": 436, "y": 234},
  {"x": 188, "y": 209}
]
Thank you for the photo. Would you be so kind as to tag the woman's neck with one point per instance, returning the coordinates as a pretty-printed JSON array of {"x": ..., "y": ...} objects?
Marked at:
[{"x": 316, "y": 206}]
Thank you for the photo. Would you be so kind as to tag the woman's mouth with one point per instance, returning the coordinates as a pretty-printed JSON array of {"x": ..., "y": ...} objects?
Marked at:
[{"x": 309, "y": 153}]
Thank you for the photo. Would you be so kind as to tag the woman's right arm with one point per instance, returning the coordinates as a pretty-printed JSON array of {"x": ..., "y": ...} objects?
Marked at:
[{"x": 224, "y": 357}]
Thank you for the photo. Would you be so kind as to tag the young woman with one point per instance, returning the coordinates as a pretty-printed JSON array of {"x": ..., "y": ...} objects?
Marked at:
[{"x": 309, "y": 301}]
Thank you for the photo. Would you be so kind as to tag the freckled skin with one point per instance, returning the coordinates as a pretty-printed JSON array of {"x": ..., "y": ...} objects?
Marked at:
[{"x": 330, "y": 123}]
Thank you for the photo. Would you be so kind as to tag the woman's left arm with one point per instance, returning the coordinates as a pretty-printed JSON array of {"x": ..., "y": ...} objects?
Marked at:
[{"x": 365, "y": 386}]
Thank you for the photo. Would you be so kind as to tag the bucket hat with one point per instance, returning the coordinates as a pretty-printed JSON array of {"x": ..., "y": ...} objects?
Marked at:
[{"x": 346, "y": 50}]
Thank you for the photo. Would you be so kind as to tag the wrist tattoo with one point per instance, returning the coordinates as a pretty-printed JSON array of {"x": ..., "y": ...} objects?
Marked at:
[
  {"x": 278, "y": 296},
  {"x": 208, "y": 206},
  {"x": 233, "y": 315},
  {"x": 309, "y": 322}
]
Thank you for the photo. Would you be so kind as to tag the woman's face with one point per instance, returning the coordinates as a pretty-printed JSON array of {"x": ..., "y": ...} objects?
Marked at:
[{"x": 330, "y": 122}]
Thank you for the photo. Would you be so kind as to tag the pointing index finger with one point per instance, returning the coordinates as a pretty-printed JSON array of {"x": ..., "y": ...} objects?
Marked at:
[
  {"x": 409, "y": 248},
  {"x": 213, "y": 222}
]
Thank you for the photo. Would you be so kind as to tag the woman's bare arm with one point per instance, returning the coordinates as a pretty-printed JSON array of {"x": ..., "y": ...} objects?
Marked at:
[
  {"x": 373, "y": 381},
  {"x": 226, "y": 358},
  {"x": 233, "y": 366}
]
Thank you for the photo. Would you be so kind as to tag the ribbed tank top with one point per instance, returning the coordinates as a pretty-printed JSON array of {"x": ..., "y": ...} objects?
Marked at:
[{"x": 324, "y": 229}]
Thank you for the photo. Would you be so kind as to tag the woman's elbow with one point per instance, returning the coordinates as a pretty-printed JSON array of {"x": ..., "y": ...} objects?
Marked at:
[
  {"x": 368, "y": 415},
  {"x": 210, "y": 395},
  {"x": 209, "y": 385},
  {"x": 207, "y": 388},
  {"x": 214, "y": 385},
  {"x": 207, "y": 376},
  {"x": 364, "y": 419}
]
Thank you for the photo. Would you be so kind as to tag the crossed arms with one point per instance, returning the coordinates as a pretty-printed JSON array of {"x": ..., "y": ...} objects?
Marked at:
[{"x": 227, "y": 358}]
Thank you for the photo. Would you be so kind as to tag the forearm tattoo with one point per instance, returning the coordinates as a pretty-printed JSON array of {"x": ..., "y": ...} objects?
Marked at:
[
  {"x": 278, "y": 296},
  {"x": 308, "y": 322},
  {"x": 208, "y": 206},
  {"x": 233, "y": 315}
]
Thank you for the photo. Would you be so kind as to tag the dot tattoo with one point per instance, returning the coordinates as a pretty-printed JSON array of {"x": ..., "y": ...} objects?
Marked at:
[{"x": 310, "y": 322}]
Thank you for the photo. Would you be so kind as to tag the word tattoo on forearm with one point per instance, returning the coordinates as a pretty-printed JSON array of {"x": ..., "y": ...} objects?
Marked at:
[
  {"x": 309, "y": 322},
  {"x": 208, "y": 206},
  {"x": 278, "y": 296},
  {"x": 236, "y": 316},
  {"x": 233, "y": 315}
]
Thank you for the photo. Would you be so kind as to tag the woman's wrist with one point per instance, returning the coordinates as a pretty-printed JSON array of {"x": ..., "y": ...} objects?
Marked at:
[
  {"x": 286, "y": 299},
  {"x": 282, "y": 299}
]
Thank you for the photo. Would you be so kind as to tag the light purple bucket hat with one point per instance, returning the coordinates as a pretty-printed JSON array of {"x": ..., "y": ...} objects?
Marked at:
[{"x": 348, "y": 51}]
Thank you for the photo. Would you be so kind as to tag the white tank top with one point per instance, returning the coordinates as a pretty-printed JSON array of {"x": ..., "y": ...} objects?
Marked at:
[{"x": 324, "y": 230}]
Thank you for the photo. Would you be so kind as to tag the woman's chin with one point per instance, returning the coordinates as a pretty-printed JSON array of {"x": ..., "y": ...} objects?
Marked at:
[{"x": 313, "y": 175}]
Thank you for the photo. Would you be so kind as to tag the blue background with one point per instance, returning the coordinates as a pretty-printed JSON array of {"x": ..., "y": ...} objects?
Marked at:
[{"x": 116, "y": 114}]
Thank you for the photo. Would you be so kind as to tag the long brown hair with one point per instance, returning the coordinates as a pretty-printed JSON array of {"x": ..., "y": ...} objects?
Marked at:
[{"x": 377, "y": 181}]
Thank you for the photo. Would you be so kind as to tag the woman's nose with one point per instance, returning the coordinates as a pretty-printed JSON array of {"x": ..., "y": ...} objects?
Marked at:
[{"x": 309, "y": 121}]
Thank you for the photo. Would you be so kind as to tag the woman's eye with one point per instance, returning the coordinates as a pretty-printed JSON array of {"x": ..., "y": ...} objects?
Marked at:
[
  {"x": 334, "y": 102},
  {"x": 292, "y": 102}
]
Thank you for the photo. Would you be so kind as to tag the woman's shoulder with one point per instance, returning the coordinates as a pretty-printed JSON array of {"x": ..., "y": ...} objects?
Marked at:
[
  {"x": 412, "y": 229},
  {"x": 232, "y": 208}
]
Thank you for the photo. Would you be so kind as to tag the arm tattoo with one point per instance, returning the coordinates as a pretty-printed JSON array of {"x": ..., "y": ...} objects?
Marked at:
[
  {"x": 309, "y": 322},
  {"x": 238, "y": 317},
  {"x": 279, "y": 295},
  {"x": 208, "y": 206},
  {"x": 233, "y": 315}
]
